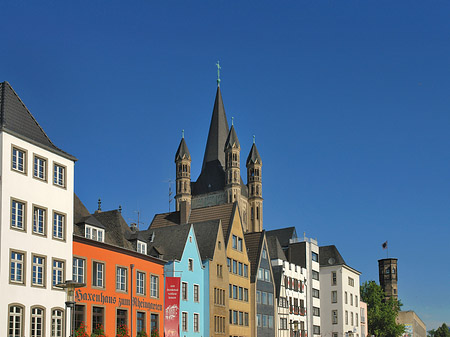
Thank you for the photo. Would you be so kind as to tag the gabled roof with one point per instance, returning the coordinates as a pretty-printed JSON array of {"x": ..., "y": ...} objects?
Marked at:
[
  {"x": 277, "y": 277},
  {"x": 16, "y": 119},
  {"x": 117, "y": 230},
  {"x": 253, "y": 242},
  {"x": 253, "y": 156},
  {"x": 283, "y": 235},
  {"x": 330, "y": 256},
  {"x": 90, "y": 220},
  {"x": 169, "y": 241},
  {"x": 183, "y": 151},
  {"x": 232, "y": 139},
  {"x": 206, "y": 234},
  {"x": 275, "y": 250}
]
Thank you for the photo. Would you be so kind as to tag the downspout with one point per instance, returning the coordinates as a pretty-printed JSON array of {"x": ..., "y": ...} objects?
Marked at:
[{"x": 131, "y": 303}]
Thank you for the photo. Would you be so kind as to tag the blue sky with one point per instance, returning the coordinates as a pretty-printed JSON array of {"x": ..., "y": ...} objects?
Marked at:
[{"x": 349, "y": 102}]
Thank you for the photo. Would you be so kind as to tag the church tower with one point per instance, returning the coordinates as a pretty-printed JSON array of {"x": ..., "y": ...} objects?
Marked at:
[
  {"x": 232, "y": 167},
  {"x": 388, "y": 276},
  {"x": 254, "y": 183},
  {"x": 183, "y": 174}
]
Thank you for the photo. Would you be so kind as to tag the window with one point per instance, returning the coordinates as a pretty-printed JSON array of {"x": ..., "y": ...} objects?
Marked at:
[
  {"x": 240, "y": 271},
  {"x": 316, "y": 329},
  {"x": 346, "y": 317},
  {"x": 235, "y": 292},
  {"x": 263, "y": 297},
  {"x": 259, "y": 320},
  {"x": 19, "y": 160},
  {"x": 184, "y": 321},
  {"x": 39, "y": 168},
  {"x": 351, "y": 282},
  {"x": 57, "y": 323},
  {"x": 39, "y": 219},
  {"x": 333, "y": 278},
  {"x": 264, "y": 253},
  {"x": 241, "y": 318},
  {"x": 98, "y": 270},
  {"x": 154, "y": 321},
  {"x": 245, "y": 294},
  {"x": 316, "y": 311},
  {"x": 315, "y": 275},
  {"x": 346, "y": 297},
  {"x": 98, "y": 314},
  {"x": 219, "y": 270},
  {"x": 334, "y": 317},
  {"x": 246, "y": 318},
  {"x": 140, "y": 321},
  {"x": 59, "y": 175},
  {"x": 258, "y": 296},
  {"x": 196, "y": 322},
  {"x": 184, "y": 291},
  {"x": 351, "y": 299},
  {"x": 37, "y": 322},
  {"x": 79, "y": 315},
  {"x": 239, "y": 247},
  {"x": 351, "y": 318},
  {"x": 234, "y": 267},
  {"x": 235, "y": 317},
  {"x": 241, "y": 294},
  {"x": 17, "y": 267},
  {"x": 315, "y": 257},
  {"x": 270, "y": 321},
  {"x": 245, "y": 270},
  {"x": 270, "y": 298},
  {"x": 283, "y": 324},
  {"x": 121, "y": 279},
  {"x": 356, "y": 318},
  {"x": 234, "y": 242},
  {"x": 191, "y": 264},
  {"x": 38, "y": 276},
  {"x": 196, "y": 293},
  {"x": 229, "y": 264},
  {"x": 58, "y": 226},
  {"x": 356, "y": 301},
  {"x": 315, "y": 293},
  {"x": 121, "y": 318},
  {"x": 15, "y": 328},
  {"x": 154, "y": 286},
  {"x": 57, "y": 272},
  {"x": 334, "y": 296},
  {"x": 266, "y": 275},
  {"x": 78, "y": 270},
  {"x": 140, "y": 283},
  {"x": 18, "y": 215},
  {"x": 94, "y": 233},
  {"x": 141, "y": 247}
]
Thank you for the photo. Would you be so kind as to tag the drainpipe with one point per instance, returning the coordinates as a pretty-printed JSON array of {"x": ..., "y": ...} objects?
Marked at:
[{"x": 131, "y": 294}]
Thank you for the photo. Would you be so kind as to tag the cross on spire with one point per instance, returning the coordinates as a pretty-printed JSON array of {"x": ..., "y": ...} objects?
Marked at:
[
  {"x": 182, "y": 133},
  {"x": 218, "y": 73},
  {"x": 253, "y": 139}
]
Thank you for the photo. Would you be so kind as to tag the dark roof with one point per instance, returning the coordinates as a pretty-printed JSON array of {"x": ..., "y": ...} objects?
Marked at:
[
  {"x": 211, "y": 179},
  {"x": 275, "y": 250},
  {"x": 218, "y": 132},
  {"x": 232, "y": 139},
  {"x": 253, "y": 156},
  {"x": 90, "y": 220},
  {"x": 253, "y": 242},
  {"x": 117, "y": 230},
  {"x": 283, "y": 235},
  {"x": 183, "y": 151},
  {"x": 16, "y": 119},
  {"x": 277, "y": 275},
  {"x": 206, "y": 234},
  {"x": 79, "y": 210},
  {"x": 330, "y": 256},
  {"x": 168, "y": 241}
]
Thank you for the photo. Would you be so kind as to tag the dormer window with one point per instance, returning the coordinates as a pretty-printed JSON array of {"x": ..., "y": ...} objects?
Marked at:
[
  {"x": 141, "y": 247},
  {"x": 94, "y": 233}
]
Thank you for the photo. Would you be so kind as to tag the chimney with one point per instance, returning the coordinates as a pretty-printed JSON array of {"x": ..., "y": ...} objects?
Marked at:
[{"x": 185, "y": 211}]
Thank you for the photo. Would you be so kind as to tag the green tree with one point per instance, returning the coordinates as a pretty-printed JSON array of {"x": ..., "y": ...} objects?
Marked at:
[
  {"x": 431, "y": 333},
  {"x": 381, "y": 313},
  {"x": 442, "y": 331}
]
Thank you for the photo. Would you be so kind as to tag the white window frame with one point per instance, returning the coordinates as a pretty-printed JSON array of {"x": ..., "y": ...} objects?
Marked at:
[
  {"x": 18, "y": 214},
  {"x": 76, "y": 268},
  {"x": 184, "y": 321},
  {"x": 37, "y": 327},
  {"x": 154, "y": 286},
  {"x": 19, "y": 160},
  {"x": 17, "y": 267},
  {"x": 58, "y": 268},
  {"x": 196, "y": 321},
  {"x": 59, "y": 226},
  {"x": 38, "y": 270},
  {"x": 94, "y": 233},
  {"x": 40, "y": 168},
  {"x": 98, "y": 274},
  {"x": 184, "y": 291},
  {"x": 57, "y": 323},
  {"x": 121, "y": 278},
  {"x": 39, "y": 220},
  {"x": 59, "y": 175},
  {"x": 196, "y": 292},
  {"x": 141, "y": 247},
  {"x": 140, "y": 282}
]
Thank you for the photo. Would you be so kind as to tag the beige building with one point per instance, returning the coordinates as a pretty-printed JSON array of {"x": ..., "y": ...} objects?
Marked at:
[{"x": 414, "y": 326}]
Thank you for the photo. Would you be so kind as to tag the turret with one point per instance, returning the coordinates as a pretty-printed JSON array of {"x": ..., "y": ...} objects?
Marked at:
[
  {"x": 183, "y": 174},
  {"x": 254, "y": 184},
  {"x": 232, "y": 167}
]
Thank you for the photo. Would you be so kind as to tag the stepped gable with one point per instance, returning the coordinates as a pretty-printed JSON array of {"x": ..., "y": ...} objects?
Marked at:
[
  {"x": 168, "y": 241},
  {"x": 253, "y": 242},
  {"x": 283, "y": 235},
  {"x": 206, "y": 234},
  {"x": 17, "y": 120},
  {"x": 275, "y": 250}
]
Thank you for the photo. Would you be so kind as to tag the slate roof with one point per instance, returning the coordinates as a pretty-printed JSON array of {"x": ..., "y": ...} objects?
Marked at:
[
  {"x": 330, "y": 256},
  {"x": 253, "y": 156},
  {"x": 90, "y": 220},
  {"x": 206, "y": 234},
  {"x": 16, "y": 119},
  {"x": 232, "y": 139},
  {"x": 168, "y": 241},
  {"x": 253, "y": 242},
  {"x": 117, "y": 230},
  {"x": 283, "y": 235},
  {"x": 183, "y": 151},
  {"x": 277, "y": 275},
  {"x": 275, "y": 250}
]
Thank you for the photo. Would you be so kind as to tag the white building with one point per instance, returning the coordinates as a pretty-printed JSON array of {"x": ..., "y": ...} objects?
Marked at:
[
  {"x": 36, "y": 196},
  {"x": 339, "y": 302}
]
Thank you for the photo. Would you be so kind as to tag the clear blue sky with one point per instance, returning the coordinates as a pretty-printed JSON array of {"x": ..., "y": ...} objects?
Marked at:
[{"x": 349, "y": 102}]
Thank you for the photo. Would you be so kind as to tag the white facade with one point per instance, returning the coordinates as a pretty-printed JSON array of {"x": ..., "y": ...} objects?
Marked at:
[
  {"x": 340, "y": 302},
  {"x": 35, "y": 236}
]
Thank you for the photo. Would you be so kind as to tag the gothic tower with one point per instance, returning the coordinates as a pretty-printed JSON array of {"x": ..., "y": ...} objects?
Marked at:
[
  {"x": 183, "y": 174},
  {"x": 232, "y": 167},
  {"x": 388, "y": 276},
  {"x": 254, "y": 183}
]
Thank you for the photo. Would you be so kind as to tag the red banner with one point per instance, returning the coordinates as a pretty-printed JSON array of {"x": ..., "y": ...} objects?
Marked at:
[{"x": 172, "y": 307}]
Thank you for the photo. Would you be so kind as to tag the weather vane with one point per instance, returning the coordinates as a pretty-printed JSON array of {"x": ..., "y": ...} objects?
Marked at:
[
  {"x": 253, "y": 139},
  {"x": 218, "y": 73},
  {"x": 182, "y": 133},
  {"x": 232, "y": 120}
]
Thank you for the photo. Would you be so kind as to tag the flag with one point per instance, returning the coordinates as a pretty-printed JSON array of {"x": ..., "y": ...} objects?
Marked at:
[{"x": 384, "y": 245}]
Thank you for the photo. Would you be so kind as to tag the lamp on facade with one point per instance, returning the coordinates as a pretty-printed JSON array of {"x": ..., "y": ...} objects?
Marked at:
[{"x": 70, "y": 286}]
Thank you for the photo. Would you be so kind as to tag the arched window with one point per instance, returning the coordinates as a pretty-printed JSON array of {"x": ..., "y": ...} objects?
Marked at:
[
  {"x": 37, "y": 322},
  {"x": 57, "y": 322},
  {"x": 15, "y": 318}
]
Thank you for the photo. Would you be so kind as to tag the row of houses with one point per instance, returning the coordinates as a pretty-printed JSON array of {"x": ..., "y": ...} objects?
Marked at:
[{"x": 206, "y": 269}]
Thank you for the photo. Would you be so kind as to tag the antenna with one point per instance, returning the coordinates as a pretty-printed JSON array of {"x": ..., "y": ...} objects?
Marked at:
[
  {"x": 138, "y": 222},
  {"x": 170, "y": 182}
]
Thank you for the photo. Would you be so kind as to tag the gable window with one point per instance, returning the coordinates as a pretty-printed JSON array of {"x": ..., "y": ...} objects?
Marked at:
[
  {"x": 351, "y": 282},
  {"x": 58, "y": 226},
  {"x": 219, "y": 270},
  {"x": 57, "y": 272},
  {"x": 17, "y": 267},
  {"x": 154, "y": 286},
  {"x": 245, "y": 270},
  {"x": 37, "y": 322},
  {"x": 121, "y": 279},
  {"x": 333, "y": 278},
  {"x": 98, "y": 272},
  {"x": 234, "y": 242},
  {"x": 78, "y": 270},
  {"x": 59, "y": 175},
  {"x": 240, "y": 245},
  {"x": 57, "y": 323},
  {"x": 141, "y": 247},
  {"x": 264, "y": 253},
  {"x": 191, "y": 264},
  {"x": 140, "y": 283},
  {"x": 39, "y": 219},
  {"x": 240, "y": 269},
  {"x": 17, "y": 214},
  {"x": 18, "y": 160},
  {"x": 94, "y": 233},
  {"x": 184, "y": 291},
  {"x": 38, "y": 276},
  {"x": 40, "y": 168}
]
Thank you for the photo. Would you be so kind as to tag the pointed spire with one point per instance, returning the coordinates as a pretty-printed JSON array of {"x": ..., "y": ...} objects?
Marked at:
[
  {"x": 253, "y": 156},
  {"x": 232, "y": 139},
  {"x": 218, "y": 73},
  {"x": 218, "y": 132},
  {"x": 183, "y": 151}
]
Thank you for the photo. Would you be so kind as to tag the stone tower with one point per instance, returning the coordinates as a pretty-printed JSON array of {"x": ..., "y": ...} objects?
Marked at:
[
  {"x": 388, "y": 276},
  {"x": 232, "y": 167},
  {"x": 183, "y": 174},
  {"x": 254, "y": 183}
]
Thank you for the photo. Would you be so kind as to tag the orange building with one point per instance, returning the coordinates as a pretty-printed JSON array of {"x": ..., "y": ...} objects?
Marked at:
[{"x": 123, "y": 283}]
